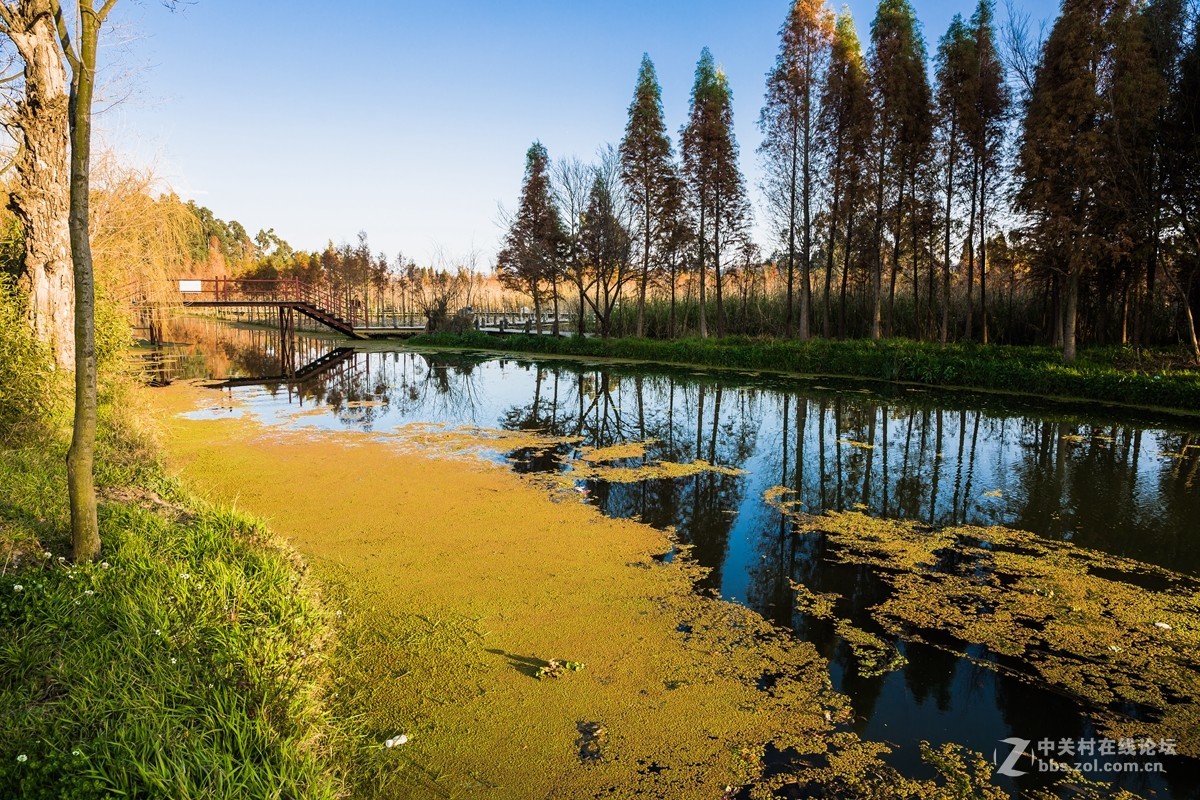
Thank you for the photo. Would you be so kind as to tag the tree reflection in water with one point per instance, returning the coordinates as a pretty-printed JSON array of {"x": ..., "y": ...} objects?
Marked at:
[{"x": 1120, "y": 486}]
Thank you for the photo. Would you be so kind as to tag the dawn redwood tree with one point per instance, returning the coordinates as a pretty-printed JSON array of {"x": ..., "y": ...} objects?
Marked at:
[
  {"x": 1134, "y": 97},
  {"x": 40, "y": 195},
  {"x": 646, "y": 169},
  {"x": 955, "y": 73},
  {"x": 790, "y": 143},
  {"x": 714, "y": 181},
  {"x": 904, "y": 130},
  {"x": 984, "y": 131},
  {"x": 534, "y": 242},
  {"x": 845, "y": 126},
  {"x": 1059, "y": 162},
  {"x": 1181, "y": 180}
]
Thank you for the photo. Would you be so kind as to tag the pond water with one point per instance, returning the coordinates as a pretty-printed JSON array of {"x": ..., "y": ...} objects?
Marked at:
[{"x": 1090, "y": 478}]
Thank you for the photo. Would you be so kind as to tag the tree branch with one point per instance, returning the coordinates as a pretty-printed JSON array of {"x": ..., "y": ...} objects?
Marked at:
[{"x": 64, "y": 36}]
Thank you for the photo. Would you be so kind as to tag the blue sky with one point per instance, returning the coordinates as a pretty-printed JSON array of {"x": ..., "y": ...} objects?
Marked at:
[{"x": 410, "y": 120}]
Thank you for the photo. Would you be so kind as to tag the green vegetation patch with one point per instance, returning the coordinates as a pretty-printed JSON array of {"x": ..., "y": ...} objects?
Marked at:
[
  {"x": 186, "y": 663},
  {"x": 1116, "y": 634}
]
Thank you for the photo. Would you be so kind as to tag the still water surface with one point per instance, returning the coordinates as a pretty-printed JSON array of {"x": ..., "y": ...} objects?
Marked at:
[{"x": 1095, "y": 479}]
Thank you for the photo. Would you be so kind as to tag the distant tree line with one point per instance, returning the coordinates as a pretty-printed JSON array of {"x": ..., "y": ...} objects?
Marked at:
[{"x": 1008, "y": 189}]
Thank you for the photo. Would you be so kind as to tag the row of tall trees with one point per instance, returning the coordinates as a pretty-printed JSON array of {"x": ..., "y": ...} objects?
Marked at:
[
  {"x": 889, "y": 176},
  {"x": 1109, "y": 163}
]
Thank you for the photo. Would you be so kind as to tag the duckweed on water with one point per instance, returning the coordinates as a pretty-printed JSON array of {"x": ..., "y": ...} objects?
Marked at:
[
  {"x": 1120, "y": 636},
  {"x": 459, "y": 576}
]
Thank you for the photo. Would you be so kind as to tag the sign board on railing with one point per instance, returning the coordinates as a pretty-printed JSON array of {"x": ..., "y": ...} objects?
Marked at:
[{"x": 190, "y": 286}]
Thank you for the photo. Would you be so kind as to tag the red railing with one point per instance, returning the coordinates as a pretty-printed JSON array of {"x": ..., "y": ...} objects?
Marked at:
[{"x": 281, "y": 290}]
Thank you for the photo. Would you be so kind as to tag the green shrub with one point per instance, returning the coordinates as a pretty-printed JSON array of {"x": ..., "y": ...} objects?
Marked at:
[{"x": 30, "y": 392}]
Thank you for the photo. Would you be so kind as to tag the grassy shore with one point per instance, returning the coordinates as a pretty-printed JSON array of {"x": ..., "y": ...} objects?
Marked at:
[
  {"x": 1157, "y": 380},
  {"x": 186, "y": 663}
]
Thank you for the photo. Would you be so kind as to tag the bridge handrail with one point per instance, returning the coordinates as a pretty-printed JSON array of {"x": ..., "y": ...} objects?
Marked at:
[{"x": 278, "y": 289}]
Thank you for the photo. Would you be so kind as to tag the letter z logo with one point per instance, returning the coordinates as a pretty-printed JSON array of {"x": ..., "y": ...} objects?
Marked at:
[{"x": 1010, "y": 763}]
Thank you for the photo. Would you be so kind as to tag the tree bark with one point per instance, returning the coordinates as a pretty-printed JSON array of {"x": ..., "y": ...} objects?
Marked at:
[
  {"x": 703, "y": 247},
  {"x": 983, "y": 315},
  {"x": 789, "y": 322},
  {"x": 81, "y": 485},
  {"x": 970, "y": 322},
  {"x": 41, "y": 196},
  {"x": 945, "y": 332},
  {"x": 1070, "y": 315},
  {"x": 877, "y": 273}
]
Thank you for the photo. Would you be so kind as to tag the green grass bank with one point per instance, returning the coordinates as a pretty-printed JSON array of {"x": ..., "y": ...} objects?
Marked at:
[
  {"x": 187, "y": 663},
  {"x": 1108, "y": 375}
]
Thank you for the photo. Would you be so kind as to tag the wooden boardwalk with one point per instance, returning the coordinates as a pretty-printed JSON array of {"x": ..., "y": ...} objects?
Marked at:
[{"x": 331, "y": 309}]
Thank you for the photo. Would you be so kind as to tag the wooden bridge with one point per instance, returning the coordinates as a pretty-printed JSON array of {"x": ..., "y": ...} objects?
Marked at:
[
  {"x": 332, "y": 309},
  {"x": 287, "y": 294}
]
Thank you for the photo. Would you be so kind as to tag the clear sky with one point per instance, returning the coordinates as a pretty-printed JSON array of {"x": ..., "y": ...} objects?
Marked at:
[{"x": 411, "y": 120}]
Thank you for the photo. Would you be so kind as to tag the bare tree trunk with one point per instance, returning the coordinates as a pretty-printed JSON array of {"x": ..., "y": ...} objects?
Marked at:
[
  {"x": 845, "y": 274},
  {"x": 806, "y": 263},
  {"x": 945, "y": 332},
  {"x": 877, "y": 273},
  {"x": 717, "y": 264},
  {"x": 645, "y": 276},
  {"x": 970, "y": 326},
  {"x": 1187, "y": 309},
  {"x": 983, "y": 315},
  {"x": 554, "y": 326},
  {"x": 896, "y": 253},
  {"x": 1070, "y": 315},
  {"x": 789, "y": 318},
  {"x": 41, "y": 196},
  {"x": 703, "y": 247},
  {"x": 671, "y": 323},
  {"x": 81, "y": 484},
  {"x": 582, "y": 309}
]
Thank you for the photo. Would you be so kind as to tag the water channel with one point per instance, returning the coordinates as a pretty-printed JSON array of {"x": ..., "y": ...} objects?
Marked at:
[{"x": 1091, "y": 478}]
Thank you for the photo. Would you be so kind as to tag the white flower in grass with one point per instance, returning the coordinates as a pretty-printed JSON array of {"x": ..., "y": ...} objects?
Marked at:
[
  {"x": 105, "y": 565},
  {"x": 88, "y": 592},
  {"x": 157, "y": 632},
  {"x": 21, "y": 759},
  {"x": 77, "y": 752},
  {"x": 183, "y": 576},
  {"x": 18, "y": 587},
  {"x": 172, "y": 661},
  {"x": 47, "y": 554},
  {"x": 62, "y": 559}
]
